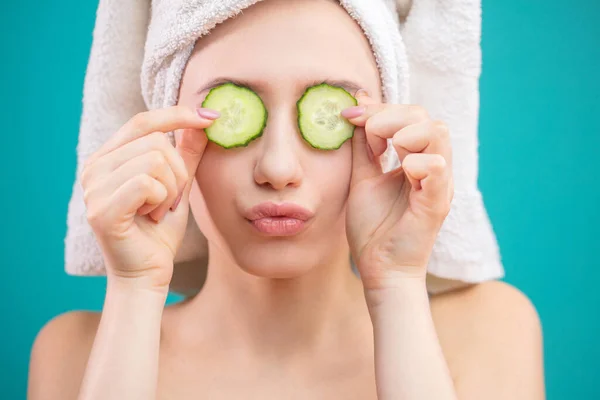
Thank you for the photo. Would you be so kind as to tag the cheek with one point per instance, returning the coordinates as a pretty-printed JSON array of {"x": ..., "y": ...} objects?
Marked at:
[
  {"x": 216, "y": 174},
  {"x": 219, "y": 176},
  {"x": 330, "y": 175}
]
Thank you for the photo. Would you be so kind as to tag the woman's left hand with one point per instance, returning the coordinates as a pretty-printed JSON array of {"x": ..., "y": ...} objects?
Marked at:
[{"x": 393, "y": 218}]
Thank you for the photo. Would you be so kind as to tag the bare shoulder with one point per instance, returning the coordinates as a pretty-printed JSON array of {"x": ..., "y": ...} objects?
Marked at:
[
  {"x": 492, "y": 339},
  {"x": 486, "y": 303},
  {"x": 59, "y": 355}
]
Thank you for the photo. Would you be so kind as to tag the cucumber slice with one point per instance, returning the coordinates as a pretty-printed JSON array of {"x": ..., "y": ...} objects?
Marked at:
[
  {"x": 243, "y": 115},
  {"x": 319, "y": 119}
]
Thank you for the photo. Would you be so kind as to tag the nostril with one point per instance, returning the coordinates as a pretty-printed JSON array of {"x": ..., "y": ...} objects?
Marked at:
[{"x": 277, "y": 171}]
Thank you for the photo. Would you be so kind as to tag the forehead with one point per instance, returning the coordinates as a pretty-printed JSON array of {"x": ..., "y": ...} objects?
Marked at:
[{"x": 288, "y": 40}]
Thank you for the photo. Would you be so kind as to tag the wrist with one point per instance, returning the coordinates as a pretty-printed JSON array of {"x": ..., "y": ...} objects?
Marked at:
[
  {"x": 141, "y": 283},
  {"x": 132, "y": 303},
  {"x": 136, "y": 286},
  {"x": 396, "y": 293}
]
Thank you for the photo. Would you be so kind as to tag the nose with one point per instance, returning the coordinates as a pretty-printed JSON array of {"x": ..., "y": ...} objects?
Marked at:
[{"x": 278, "y": 164}]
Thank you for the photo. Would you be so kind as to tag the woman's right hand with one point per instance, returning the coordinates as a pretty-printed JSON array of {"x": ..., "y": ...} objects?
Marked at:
[{"x": 131, "y": 187}]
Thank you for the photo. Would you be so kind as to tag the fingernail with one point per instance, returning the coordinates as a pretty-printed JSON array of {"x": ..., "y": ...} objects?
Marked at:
[
  {"x": 361, "y": 92},
  {"x": 353, "y": 112},
  {"x": 207, "y": 113},
  {"x": 177, "y": 200}
]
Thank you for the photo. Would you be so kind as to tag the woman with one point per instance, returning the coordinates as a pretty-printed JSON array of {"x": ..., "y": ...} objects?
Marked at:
[{"x": 281, "y": 314}]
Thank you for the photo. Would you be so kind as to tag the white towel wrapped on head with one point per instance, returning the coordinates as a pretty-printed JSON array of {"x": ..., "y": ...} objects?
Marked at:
[{"x": 432, "y": 58}]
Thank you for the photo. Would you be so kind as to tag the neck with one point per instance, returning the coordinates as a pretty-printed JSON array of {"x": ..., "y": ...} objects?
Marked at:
[{"x": 279, "y": 316}]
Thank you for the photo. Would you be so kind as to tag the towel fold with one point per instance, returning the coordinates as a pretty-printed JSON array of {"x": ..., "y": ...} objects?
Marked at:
[{"x": 429, "y": 55}]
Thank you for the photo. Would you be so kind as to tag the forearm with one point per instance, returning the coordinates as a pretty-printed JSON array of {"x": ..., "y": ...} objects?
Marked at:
[
  {"x": 123, "y": 363},
  {"x": 409, "y": 363}
]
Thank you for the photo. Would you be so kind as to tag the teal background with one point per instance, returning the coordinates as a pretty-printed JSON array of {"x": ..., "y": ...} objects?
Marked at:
[{"x": 540, "y": 134}]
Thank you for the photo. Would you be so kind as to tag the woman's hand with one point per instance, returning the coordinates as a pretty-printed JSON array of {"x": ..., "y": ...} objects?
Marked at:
[
  {"x": 132, "y": 187},
  {"x": 393, "y": 218},
  {"x": 392, "y": 222}
]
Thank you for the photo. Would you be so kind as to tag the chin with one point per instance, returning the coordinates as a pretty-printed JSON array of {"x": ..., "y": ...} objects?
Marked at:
[{"x": 276, "y": 260}]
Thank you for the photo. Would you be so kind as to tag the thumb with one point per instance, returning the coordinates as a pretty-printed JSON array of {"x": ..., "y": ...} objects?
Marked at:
[
  {"x": 370, "y": 107},
  {"x": 190, "y": 144},
  {"x": 365, "y": 164}
]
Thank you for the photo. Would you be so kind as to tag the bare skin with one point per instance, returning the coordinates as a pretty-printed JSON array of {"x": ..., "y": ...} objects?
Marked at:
[
  {"x": 490, "y": 335},
  {"x": 284, "y": 318}
]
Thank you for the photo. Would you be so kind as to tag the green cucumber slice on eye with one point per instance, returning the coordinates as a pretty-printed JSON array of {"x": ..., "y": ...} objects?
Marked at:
[
  {"x": 319, "y": 119},
  {"x": 243, "y": 115}
]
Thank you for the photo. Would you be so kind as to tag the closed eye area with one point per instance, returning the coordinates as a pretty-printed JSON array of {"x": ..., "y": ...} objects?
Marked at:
[
  {"x": 262, "y": 86},
  {"x": 243, "y": 114}
]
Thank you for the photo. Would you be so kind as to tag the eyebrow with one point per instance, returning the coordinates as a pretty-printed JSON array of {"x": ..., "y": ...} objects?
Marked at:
[{"x": 260, "y": 86}]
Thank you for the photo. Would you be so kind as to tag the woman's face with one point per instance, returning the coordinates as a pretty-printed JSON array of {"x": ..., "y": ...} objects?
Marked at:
[{"x": 278, "y": 48}]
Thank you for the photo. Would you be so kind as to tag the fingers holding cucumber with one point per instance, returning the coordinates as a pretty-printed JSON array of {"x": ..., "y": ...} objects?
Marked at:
[{"x": 131, "y": 183}]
